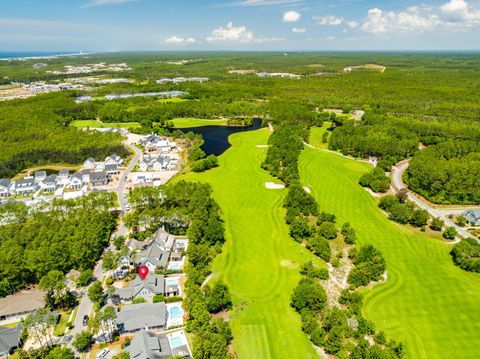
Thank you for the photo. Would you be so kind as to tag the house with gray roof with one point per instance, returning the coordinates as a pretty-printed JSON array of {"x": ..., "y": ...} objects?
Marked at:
[
  {"x": 5, "y": 187},
  {"x": 75, "y": 182},
  {"x": 98, "y": 178},
  {"x": 473, "y": 217},
  {"x": 146, "y": 345},
  {"x": 135, "y": 317},
  {"x": 111, "y": 169},
  {"x": 153, "y": 284},
  {"x": 114, "y": 159},
  {"x": 40, "y": 176},
  {"x": 10, "y": 339},
  {"x": 25, "y": 186},
  {"x": 49, "y": 184},
  {"x": 155, "y": 256}
]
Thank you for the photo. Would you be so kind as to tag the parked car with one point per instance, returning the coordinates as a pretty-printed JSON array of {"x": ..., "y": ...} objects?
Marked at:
[
  {"x": 85, "y": 320},
  {"x": 103, "y": 353}
]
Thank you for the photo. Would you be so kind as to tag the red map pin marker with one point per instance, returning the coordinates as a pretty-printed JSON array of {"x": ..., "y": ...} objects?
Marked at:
[{"x": 143, "y": 272}]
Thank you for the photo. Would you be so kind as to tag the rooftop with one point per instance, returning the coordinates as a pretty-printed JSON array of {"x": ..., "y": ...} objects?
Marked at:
[
  {"x": 139, "y": 316},
  {"x": 21, "y": 302}
]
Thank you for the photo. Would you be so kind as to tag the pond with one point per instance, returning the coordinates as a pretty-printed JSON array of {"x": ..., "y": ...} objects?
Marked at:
[{"x": 216, "y": 137}]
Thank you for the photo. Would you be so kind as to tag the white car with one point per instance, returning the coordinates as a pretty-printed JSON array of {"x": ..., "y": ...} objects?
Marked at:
[{"x": 103, "y": 353}]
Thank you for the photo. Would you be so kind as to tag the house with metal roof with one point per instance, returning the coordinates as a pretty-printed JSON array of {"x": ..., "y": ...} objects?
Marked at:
[
  {"x": 5, "y": 187},
  {"x": 10, "y": 339},
  {"x": 153, "y": 284},
  {"x": 472, "y": 217},
  {"x": 135, "y": 317},
  {"x": 25, "y": 186}
]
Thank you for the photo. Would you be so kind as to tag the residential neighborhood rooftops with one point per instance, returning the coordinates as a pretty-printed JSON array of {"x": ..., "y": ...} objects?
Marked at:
[
  {"x": 140, "y": 316},
  {"x": 147, "y": 345},
  {"x": 153, "y": 284},
  {"x": 10, "y": 338},
  {"x": 472, "y": 216},
  {"x": 21, "y": 303}
]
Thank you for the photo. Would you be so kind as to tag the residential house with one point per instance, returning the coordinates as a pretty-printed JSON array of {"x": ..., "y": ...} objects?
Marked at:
[
  {"x": 5, "y": 187},
  {"x": 85, "y": 177},
  {"x": 114, "y": 159},
  {"x": 146, "y": 345},
  {"x": 98, "y": 178},
  {"x": 89, "y": 164},
  {"x": 21, "y": 303},
  {"x": 473, "y": 217},
  {"x": 50, "y": 183},
  {"x": 152, "y": 284},
  {"x": 111, "y": 169},
  {"x": 40, "y": 176},
  {"x": 172, "y": 287},
  {"x": 156, "y": 255},
  {"x": 10, "y": 339},
  {"x": 63, "y": 177},
  {"x": 75, "y": 182},
  {"x": 25, "y": 186},
  {"x": 135, "y": 317}
]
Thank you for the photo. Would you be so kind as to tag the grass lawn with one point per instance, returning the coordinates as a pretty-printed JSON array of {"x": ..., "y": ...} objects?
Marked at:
[
  {"x": 197, "y": 122},
  {"x": 10, "y": 325},
  {"x": 98, "y": 124},
  {"x": 173, "y": 99},
  {"x": 316, "y": 135},
  {"x": 61, "y": 327},
  {"x": 427, "y": 302},
  {"x": 260, "y": 262}
]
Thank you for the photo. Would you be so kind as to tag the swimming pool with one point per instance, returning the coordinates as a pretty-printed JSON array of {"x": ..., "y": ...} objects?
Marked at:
[
  {"x": 175, "y": 312},
  {"x": 171, "y": 281},
  {"x": 175, "y": 342}
]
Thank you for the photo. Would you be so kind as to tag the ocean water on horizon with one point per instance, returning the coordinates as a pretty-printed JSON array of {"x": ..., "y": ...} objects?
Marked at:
[{"x": 30, "y": 54}]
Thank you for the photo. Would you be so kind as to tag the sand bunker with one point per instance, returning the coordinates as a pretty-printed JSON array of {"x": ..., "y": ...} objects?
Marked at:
[{"x": 271, "y": 185}]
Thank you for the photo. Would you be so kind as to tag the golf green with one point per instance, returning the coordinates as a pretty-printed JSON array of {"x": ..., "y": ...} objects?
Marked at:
[
  {"x": 260, "y": 262},
  {"x": 427, "y": 302}
]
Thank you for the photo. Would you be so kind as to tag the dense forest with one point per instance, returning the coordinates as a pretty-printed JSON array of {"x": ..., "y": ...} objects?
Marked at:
[
  {"x": 63, "y": 235},
  {"x": 35, "y": 132}
]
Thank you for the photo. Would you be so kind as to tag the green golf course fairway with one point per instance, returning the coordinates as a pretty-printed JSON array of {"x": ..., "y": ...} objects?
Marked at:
[
  {"x": 427, "y": 302},
  {"x": 260, "y": 262}
]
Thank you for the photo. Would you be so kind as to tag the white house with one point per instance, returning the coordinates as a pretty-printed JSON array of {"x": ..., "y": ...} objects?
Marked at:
[
  {"x": 5, "y": 187},
  {"x": 25, "y": 186},
  {"x": 75, "y": 182}
]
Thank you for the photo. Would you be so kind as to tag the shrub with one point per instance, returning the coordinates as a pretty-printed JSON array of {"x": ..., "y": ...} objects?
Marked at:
[
  {"x": 450, "y": 233},
  {"x": 369, "y": 266},
  {"x": 84, "y": 278},
  {"x": 328, "y": 230},
  {"x": 320, "y": 247},
  {"x": 109, "y": 281},
  {"x": 308, "y": 295},
  {"x": 218, "y": 298},
  {"x": 300, "y": 229},
  {"x": 139, "y": 300},
  {"x": 158, "y": 298}
]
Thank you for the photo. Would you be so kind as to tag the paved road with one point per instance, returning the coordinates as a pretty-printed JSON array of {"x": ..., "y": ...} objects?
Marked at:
[
  {"x": 86, "y": 305},
  {"x": 397, "y": 181}
]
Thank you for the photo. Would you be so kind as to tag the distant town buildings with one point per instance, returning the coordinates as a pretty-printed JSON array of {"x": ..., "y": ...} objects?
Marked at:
[
  {"x": 87, "y": 69},
  {"x": 177, "y": 80},
  {"x": 278, "y": 74}
]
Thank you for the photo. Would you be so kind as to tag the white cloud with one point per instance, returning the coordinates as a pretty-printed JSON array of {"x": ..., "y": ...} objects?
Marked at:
[
  {"x": 94, "y": 3},
  {"x": 328, "y": 20},
  {"x": 453, "y": 15},
  {"x": 291, "y": 16},
  {"x": 238, "y": 34},
  {"x": 411, "y": 19},
  {"x": 298, "y": 30},
  {"x": 460, "y": 11},
  {"x": 352, "y": 24},
  {"x": 178, "y": 40}
]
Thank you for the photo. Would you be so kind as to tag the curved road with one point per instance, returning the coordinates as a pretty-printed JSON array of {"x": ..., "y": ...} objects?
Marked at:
[{"x": 397, "y": 184}]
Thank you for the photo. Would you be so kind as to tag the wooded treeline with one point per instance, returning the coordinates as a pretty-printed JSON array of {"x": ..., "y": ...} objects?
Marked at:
[{"x": 63, "y": 235}]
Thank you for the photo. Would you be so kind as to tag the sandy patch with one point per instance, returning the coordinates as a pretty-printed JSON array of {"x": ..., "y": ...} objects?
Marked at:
[
  {"x": 307, "y": 189},
  {"x": 376, "y": 195},
  {"x": 272, "y": 185},
  {"x": 288, "y": 264},
  {"x": 262, "y": 146}
]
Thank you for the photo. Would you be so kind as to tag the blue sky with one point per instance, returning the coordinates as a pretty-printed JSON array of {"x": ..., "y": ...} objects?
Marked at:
[{"x": 107, "y": 25}]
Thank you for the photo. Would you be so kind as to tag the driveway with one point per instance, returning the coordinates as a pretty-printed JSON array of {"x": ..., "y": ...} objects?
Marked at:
[{"x": 397, "y": 184}]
